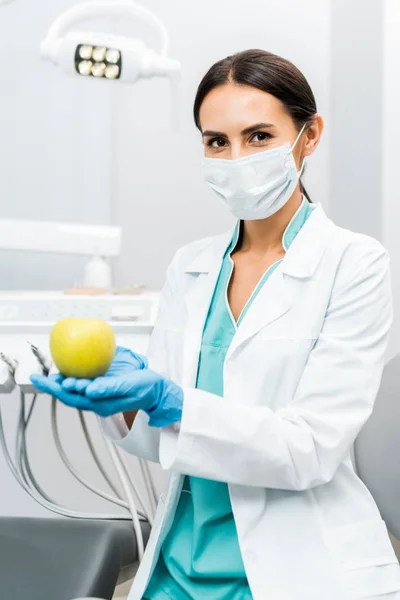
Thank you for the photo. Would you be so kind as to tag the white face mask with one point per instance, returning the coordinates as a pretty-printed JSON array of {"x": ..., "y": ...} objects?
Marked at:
[{"x": 256, "y": 186}]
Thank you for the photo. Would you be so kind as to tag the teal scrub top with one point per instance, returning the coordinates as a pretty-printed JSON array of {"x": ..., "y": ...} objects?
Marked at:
[{"x": 200, "y": 557}]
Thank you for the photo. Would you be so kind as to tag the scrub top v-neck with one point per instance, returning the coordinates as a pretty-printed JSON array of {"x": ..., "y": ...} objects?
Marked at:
[{"x": 200, "y": 557}]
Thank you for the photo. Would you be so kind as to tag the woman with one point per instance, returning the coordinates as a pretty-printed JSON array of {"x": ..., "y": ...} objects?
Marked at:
[{"x": 265, "y": 362}]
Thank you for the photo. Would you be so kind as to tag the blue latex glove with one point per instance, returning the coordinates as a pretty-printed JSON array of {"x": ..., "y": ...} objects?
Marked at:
[
  {"x": 125, "y": 361},
  {"x": 142, "y": 389},
  {"x": 146, "y": 390}
]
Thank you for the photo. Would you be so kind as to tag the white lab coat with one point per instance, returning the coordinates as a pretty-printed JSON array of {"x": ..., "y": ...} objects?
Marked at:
[{"x": 300, "y": 381}]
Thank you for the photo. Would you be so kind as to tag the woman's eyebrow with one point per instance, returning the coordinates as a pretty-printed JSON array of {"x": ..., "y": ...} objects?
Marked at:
[
  {"x": 256, "y": 127},
  {"x": 246, "y": 131},
  {"x": 210, "y": 133}
]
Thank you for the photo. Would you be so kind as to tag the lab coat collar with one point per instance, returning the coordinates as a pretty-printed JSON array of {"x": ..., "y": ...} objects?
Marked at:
[
  {"x": 301, "y": 259},
  {"x": 212, "y": 254},
  {"x": 306, "y": 251}
]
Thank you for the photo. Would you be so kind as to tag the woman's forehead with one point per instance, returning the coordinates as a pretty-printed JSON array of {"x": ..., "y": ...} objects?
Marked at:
[{"x": 240, "y": 106}]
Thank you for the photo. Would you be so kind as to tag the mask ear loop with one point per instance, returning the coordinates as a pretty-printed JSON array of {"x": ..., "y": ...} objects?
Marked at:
[
  {"x": 303, "y": 164},
  {"x": 298, "y": 137},
  {"x": 299, "y": 173}
]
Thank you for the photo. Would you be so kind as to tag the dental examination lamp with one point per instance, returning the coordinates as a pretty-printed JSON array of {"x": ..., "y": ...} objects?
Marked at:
[
  {"x": 104, "y": 55},
  {"x": 98, "y": 242}
]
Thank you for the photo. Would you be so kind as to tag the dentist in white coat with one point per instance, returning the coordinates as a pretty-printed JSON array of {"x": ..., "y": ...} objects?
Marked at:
[{"x": 264, "y": 365}]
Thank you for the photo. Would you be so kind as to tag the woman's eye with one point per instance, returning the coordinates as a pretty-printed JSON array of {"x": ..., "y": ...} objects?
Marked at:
[
  {"x": 261, "y": 136},
  {"x": 217, "y": 143}
]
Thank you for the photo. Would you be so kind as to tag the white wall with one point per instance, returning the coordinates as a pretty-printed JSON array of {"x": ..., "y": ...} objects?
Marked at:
[
  {"x": 390, "y": 155},
  {"x": 55, "y": 144},
  {"x": 159, "y": 197},
  {"x": 356, "y": 116}
]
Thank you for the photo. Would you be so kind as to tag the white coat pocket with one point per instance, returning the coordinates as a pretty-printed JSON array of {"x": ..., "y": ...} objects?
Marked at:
[{"x": 366, "y": 560}]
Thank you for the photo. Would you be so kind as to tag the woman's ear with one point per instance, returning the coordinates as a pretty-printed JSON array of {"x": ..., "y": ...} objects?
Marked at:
[{"x": 313, "y": 135}]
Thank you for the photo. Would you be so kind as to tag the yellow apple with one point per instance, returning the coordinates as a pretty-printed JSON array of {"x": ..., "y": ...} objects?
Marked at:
[{"x": 82, "y": 347}]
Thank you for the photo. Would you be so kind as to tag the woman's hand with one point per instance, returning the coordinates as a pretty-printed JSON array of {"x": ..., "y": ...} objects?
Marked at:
[
  {"x": 125, "y": 361},
  {"x": 146, "y": 390},
  {"x": 124, "y": 388}
]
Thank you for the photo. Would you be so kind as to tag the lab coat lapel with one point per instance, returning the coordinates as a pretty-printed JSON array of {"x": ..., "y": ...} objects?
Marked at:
[
  {"x": 272, "y": 302},
  {"x": 276, "y": 296},
  {"x": 204, "y": 272}
]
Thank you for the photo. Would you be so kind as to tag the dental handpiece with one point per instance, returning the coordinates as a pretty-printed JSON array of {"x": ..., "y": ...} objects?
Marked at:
[
  {"x": 10, "y": 362},
  {"x": 44, "y": 362}
]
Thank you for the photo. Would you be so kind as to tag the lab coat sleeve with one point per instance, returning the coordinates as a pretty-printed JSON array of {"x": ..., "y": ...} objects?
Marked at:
[
  {"x": 302, "y": 445},
  {"x": 142, "y": 440}
]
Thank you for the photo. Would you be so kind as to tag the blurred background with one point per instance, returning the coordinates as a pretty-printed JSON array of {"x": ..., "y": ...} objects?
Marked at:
[{"x": 72, "y": 150}]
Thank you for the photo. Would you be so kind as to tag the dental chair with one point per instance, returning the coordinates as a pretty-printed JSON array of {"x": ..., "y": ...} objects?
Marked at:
[
  {"x": 64, "y": 559},
  {"x": 377, "y": 449}
]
